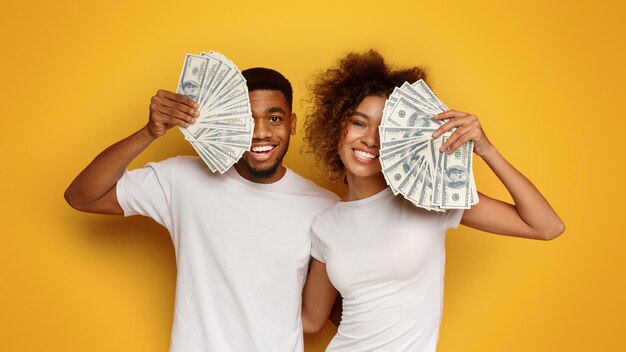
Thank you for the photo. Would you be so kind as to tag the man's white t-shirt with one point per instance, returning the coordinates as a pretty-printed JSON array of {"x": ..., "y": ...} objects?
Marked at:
[
  {"x": 386, "y": 257},
  {"x": 242, "y": 250}
]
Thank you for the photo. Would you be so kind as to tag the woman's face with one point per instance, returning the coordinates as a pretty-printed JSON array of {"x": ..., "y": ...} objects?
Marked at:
[{"x": 359, "y": 144}]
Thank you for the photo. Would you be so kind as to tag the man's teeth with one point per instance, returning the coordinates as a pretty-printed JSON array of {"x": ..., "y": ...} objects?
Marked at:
[
  {"x": 364, "y": 155},
  {"x": 265, "y": 148}
]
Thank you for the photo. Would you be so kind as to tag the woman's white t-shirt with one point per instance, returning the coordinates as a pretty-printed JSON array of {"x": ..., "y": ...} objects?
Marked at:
[{"x": 386, "y": 257}]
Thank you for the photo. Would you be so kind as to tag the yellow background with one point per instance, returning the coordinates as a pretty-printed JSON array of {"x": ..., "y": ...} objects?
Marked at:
[{"x": 546, "y": 79}]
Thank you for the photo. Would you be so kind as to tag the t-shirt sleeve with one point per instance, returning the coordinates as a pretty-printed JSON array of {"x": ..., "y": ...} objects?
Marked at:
[
  {"x": 450, "y": 219},
  {"x": 318, "y": 250},
  {"x": 147, "y": 192}
]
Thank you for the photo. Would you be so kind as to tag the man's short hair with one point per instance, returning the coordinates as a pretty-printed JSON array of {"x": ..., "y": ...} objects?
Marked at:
[{"x": 261, "y": 78}]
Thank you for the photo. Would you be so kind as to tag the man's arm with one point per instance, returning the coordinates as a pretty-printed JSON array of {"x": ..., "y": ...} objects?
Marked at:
[{"x": 93, "y": 190}]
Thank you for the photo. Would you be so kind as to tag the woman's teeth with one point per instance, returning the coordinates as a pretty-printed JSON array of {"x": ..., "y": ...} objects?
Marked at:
[{"x": 364, "y": 155}]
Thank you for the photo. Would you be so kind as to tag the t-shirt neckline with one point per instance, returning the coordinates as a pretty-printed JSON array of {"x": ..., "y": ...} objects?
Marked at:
[
  {"x": 375, "y": 198},
  {"x": 232, "y": 172}
]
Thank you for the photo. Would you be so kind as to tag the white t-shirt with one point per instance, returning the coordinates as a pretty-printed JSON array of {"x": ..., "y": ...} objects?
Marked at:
[
  {"x": 387, "y": 259},
  {"x": 242, "y": 250}
]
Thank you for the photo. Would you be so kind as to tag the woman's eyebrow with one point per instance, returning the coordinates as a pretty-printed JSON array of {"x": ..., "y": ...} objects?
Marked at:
[{"x": 357, "y": 113}]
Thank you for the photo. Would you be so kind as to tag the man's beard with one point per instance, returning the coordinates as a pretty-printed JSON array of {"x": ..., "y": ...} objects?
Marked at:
[{"x": 267, "y": 172}]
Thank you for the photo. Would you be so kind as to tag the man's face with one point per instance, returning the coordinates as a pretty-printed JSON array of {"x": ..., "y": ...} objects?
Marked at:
[{"x": 274, "y": 123}]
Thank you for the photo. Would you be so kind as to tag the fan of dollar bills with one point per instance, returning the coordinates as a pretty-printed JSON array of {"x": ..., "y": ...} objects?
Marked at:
[
  {"x": 410, "y": 157},
  {"x": 223, "y": 131}
]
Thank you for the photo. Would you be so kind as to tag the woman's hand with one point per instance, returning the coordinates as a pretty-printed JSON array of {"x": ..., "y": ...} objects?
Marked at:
[
  {"x": 467, "y": 128},
  {"x": 531, "y": 216}
]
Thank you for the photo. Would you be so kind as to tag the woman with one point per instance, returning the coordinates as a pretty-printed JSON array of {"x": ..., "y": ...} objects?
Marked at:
[{"x": 382, "y": 253}]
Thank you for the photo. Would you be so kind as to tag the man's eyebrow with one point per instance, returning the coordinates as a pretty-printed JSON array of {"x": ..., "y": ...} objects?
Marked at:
[
  {"x": 357, "y": 113},
  {"x": 276, "y": 109}
]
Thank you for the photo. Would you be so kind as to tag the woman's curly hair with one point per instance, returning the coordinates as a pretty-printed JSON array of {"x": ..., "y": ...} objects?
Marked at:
[{"x": 337, "y": 92}]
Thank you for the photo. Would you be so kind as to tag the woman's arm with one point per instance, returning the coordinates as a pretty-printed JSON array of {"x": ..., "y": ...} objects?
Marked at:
[
  {"x": 318, "y": 297},
  {"x": 531, "y": 216}
]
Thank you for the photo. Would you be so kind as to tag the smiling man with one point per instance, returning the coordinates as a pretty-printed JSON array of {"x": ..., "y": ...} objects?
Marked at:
[
  {"x": 274, "y": 123},
  {"x": 242, "y": 238}
]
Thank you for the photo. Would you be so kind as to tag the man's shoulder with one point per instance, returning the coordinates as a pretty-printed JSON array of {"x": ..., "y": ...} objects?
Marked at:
[
  {"x": 307, "y": 187},
  {"x": 183, "y": 170},
  {"x": 179, "y": 162},
  {"x": 184, "y": 160}
]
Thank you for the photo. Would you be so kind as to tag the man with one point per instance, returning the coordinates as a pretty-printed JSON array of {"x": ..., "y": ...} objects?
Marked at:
[{"x": 242, "y": 238}]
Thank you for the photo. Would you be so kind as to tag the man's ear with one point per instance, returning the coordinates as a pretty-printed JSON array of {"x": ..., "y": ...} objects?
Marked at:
[{"x": 294, "y": 123}]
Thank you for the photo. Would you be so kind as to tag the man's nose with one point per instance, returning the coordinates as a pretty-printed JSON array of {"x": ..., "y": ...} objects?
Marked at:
[{"x": 262, "y": 130}]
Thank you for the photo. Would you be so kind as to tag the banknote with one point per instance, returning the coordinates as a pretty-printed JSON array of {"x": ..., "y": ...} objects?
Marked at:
[
  {"x": 410, "y": 158},
  {"x": 406, "y": 114},
  {"x": 423, "y": 90},
  {"x": 223, "y": 131},
  {"x": 410, "y": 93},
  {"x": 396, "y": 165},
  {"x": 455, "y": 191},
  {"x": 193, "y": 75},
  {"x": 414, "y": 177}
]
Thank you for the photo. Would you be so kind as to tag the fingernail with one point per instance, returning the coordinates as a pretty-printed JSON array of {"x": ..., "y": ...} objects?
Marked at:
[
  {"x": 435, "y": 134},
  {"x": 193, "y": 121}
]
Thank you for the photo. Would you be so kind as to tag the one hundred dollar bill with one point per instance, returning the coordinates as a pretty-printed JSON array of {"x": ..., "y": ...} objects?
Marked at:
[
  {"x": 223, "y": 131},
  {"x": 410, "y": 158},
  {"x": 192, "y": 76},
  {"x": 456, "y": 190}
]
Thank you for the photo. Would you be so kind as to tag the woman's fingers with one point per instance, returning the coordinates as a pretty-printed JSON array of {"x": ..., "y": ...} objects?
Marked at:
[{"x": 466, "y": 127}]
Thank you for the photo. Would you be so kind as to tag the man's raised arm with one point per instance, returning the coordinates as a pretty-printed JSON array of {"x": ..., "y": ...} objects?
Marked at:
[{"x": 93, "y": 190}]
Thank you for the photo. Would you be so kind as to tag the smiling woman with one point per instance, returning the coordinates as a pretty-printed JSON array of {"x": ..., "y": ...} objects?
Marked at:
[
  {"x": 386, "y": 256},
  {"x": 359, "y": 144},
  {"x": 335, "y": 97}
]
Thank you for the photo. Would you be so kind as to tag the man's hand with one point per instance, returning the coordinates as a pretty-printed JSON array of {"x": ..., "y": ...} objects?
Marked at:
[
  {"x": 94, "y": 189},
  {"x": 168, "y": 109}
]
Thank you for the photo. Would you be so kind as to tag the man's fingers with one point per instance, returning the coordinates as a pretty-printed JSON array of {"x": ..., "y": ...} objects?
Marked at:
[
  {"x": 174, "y": 113},
  {"x": 162, "y": 93},
  {"x": 169, "y": 121},
  {"x": 175, "y": 105},
  {"x": 172, "y": 121}
]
